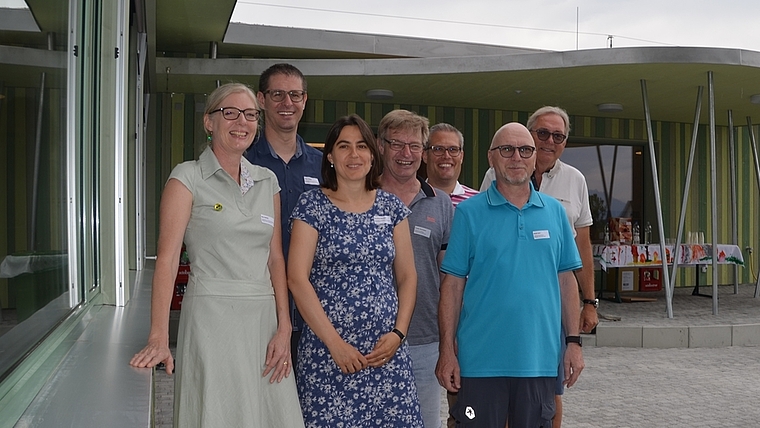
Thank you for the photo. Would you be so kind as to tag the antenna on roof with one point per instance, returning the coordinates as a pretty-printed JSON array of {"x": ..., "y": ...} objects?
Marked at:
[{"x": 577, "y": 29}]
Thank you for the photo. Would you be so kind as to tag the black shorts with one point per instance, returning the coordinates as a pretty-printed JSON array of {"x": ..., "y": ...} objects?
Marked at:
[{"x": 490, "y": 402}]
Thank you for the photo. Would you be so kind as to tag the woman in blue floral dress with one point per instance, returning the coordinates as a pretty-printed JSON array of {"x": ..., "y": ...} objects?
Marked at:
[{"x": 349, "y": 238}]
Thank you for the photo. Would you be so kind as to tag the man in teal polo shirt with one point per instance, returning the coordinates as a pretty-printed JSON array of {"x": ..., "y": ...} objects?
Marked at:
[{"x": 500, "y": 329}]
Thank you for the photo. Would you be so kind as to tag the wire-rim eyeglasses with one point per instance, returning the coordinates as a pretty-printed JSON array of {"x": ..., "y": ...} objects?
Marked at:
[
  {"x": 397, "y": 146},
  {"x": 454, "y": 151},
  {"x": 278, "y": 95}
]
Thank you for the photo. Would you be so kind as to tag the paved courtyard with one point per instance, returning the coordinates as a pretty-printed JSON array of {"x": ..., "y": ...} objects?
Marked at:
[{"x": 641, "y": 387}]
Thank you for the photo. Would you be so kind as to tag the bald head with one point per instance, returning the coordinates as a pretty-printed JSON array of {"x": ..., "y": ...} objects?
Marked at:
[
  {"x": 513, "y": 134},
  {"x": 511, "y": 168}
]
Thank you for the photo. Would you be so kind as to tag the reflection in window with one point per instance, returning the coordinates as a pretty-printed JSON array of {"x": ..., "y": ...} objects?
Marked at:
[
  {"x": 611, "y": 172},
  {"x": 33, "y": 222}
]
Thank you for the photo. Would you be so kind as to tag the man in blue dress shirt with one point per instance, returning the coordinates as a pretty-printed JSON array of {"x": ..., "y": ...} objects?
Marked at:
[{"x": 282, "y": 97}]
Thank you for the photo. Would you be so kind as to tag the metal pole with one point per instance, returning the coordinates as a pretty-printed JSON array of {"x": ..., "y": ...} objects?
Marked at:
[
  {"x": 604, "y": 182},
  {"x": 757, "y": 174},
  {"x": 612, "y": 173},
  {"x": 656, "y": 185},
  {"x": 713, "y": 191},
  {"x": 687, "y": 187},
  {"x": 37, "y": 154},
  {"x": 734, "y": 214}
]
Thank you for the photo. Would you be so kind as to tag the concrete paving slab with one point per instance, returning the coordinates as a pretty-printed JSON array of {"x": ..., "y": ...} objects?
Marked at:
[
  {"x": 665, "y": 337},
  {"x": 746, "y": 335},
  {"x": 710, "y": 336},
  {"x": 643, "y": 386}
]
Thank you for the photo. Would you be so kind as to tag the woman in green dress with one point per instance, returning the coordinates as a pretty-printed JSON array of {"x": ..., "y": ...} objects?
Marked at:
[{"x": 233, "y": 349}]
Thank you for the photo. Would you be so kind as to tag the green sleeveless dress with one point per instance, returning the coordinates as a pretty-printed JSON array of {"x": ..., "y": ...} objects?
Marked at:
[{"x": 228, "y": 312}]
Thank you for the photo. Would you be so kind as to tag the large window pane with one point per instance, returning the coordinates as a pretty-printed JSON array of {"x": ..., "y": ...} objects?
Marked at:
[
  {"x": 33, "y": 220},
  {"x": 611, "y": 172}
]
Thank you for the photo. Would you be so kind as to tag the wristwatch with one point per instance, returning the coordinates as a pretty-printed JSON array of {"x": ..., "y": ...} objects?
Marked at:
[
  {"x": 592, "y": 302},
  {"x": 573, "y": 339},
  {"x": 400, "y": 335}
]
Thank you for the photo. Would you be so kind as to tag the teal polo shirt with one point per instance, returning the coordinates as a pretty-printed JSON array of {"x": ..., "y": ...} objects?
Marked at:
[{"x": 511, "y": 312}]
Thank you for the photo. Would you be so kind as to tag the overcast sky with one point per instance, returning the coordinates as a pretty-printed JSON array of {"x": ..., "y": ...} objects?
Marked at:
[{"x": 540, "y": 24}]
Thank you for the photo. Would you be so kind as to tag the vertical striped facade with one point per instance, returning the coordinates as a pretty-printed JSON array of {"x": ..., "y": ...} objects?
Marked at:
[{"x": 181, "y": 132}]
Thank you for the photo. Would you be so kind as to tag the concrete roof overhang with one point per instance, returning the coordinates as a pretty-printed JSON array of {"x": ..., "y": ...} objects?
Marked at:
[
  {"x": 576, "y": 80},
  {"x": 343, "y": 66}
]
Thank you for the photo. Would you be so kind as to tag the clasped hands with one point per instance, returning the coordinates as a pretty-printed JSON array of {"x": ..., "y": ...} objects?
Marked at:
[{"x": 350, "y": 360}]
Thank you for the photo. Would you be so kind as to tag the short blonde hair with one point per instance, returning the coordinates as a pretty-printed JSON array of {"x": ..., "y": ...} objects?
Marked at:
[{"x": 403, "y": 120}]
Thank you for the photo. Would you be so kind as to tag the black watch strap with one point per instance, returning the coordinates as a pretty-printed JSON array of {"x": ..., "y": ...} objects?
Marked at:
[
  {"x": 573, "y": 339},
  {"x": 400, "y": 335},
  {"x": 592, "y": 302}
]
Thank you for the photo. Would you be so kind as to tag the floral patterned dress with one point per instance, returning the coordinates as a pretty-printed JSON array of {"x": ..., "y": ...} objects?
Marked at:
[{"x": 353, "y": 278}]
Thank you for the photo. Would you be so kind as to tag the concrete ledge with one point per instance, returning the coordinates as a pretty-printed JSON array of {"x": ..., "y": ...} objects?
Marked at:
[
  {"x": 746, "y": 335},
  {"x": 589, "y": 340},
  {"x": 707, "y": 336},
  {"x": 665, "y": 337},
  {"x": 629, "y": 337},
  {"x": 710, "y": 336}
]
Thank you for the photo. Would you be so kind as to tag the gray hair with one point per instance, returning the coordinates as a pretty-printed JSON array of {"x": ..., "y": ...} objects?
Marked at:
[{"x": 559, "y": 111}]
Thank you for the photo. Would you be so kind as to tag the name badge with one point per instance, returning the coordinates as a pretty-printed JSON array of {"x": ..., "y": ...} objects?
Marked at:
[
  {"x": 422, "y": 231},
  {"x": 311, "y": 181},
  {"x": 540, "y": 234},
  {"x": 267, "y": 220},
  {"x": 382, "y": 219}
]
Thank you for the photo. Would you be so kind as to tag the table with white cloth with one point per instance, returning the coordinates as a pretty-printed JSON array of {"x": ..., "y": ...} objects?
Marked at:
[
  {"x": 18, "y": 264},
  {"x": 649, "y": 255}
]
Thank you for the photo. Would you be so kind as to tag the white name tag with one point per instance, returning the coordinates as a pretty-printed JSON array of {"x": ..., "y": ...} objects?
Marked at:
[
  {"x": 382, "y": 219},
  {"x": 422, "y": 231},
  {"x": 267, "y": 220},
  {"x": 540, "y": 234},
  {"x": 310, "y": 181}
]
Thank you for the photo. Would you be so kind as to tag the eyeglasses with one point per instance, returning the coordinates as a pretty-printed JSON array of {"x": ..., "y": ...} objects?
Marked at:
[
  {"x": 508, "y": 151},
  {"x": 232, "y": 113},
  {"x": 454, "y": 151},
  {"x": 397, "y": 146},
  {"x": 278, "y": 95},
  {"x": 543, "y": 135}
]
